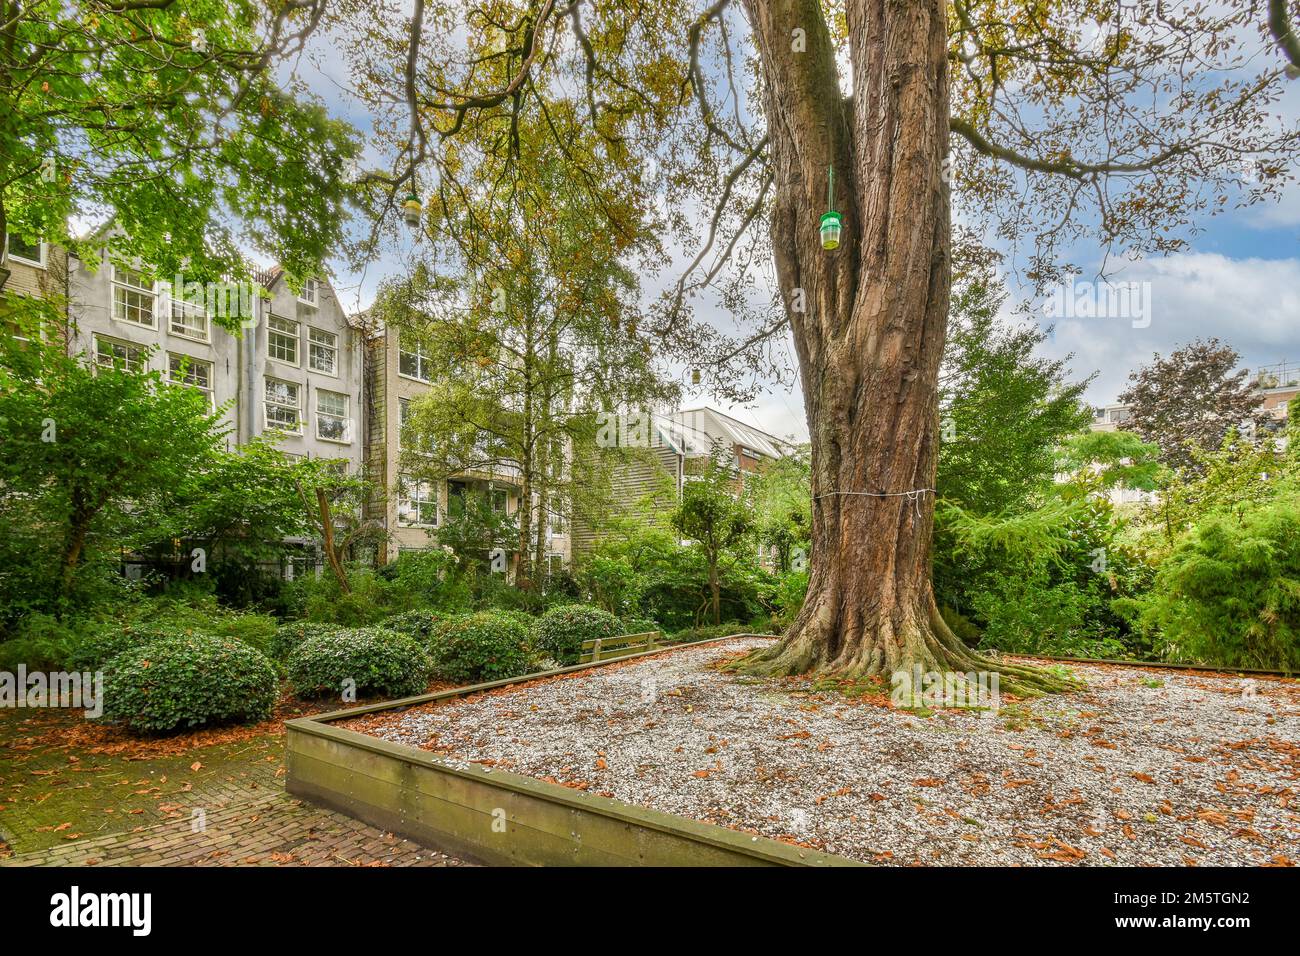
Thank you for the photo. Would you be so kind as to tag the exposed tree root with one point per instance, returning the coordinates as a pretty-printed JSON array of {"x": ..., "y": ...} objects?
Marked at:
[{"x": 807, "y": 649}]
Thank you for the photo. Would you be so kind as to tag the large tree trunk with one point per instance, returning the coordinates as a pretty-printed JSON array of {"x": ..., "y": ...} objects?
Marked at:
[{"x": 872, "y": 333}]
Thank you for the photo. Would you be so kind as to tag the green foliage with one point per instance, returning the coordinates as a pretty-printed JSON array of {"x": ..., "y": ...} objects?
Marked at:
[
  {"x": 1235, "y": 479},
  {"x": 1042, "y": 581},
  {"x": 715, "y": 519},
  {"x": 418, "y": 625},
  {"x": 484, "y": 646},
  {"x": 288, "y": 636},
  {"x": 1034, "y": 614},
  {"x": 781, "y": 496},
  {"x": 425, "y": 579},
  {"x": 1119, "y": 459},
  {"x": 639, "y": 625},
  {"x": 90, "y": 454},
  {"x": 560, "y": 632},
  {"x": 94, "y": 641},
  {"x": 191, "y": 150},
  {"x": 196, "y": 680},
  {"x": 788, "y": 597},
  {"x": 707, "y": 632},
  {"x": 1229, "y": 594},
  {"x": 42, "y": 643},
  {"x": 379, "y": 662},
  {"x": 1003, "y": 409},
  {"x": 612, "y": 582}
]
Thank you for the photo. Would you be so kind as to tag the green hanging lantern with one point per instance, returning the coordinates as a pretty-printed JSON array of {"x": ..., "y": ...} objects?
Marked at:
[
  {"x": 411, "y": 210},
  {"x": 832, "y": 222}
]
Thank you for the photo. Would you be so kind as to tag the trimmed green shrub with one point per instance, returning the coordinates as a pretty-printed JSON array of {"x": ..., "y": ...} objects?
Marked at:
[
  {"x": 191, "y": 681},
  {"x": 381, "y": 663},
  {"x": 559, "y": 632},
  {"x": 490, "y": 645},
  {"x": 419, "y": 624},
  {"x": 99, "y": 648},
  {"x": 289, "y": 636}
]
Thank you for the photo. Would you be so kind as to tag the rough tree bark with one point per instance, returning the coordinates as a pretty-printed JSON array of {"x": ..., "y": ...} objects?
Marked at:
[{"x": 872, "y": 331}]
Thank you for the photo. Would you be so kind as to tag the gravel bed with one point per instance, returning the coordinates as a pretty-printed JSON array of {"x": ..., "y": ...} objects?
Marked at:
[{"x": 1143, "y": 767}]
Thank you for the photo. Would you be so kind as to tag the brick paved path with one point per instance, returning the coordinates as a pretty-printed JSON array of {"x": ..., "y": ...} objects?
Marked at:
[
  {"x": 217, "y": 805},
  {"x": 272, "y": 829}
]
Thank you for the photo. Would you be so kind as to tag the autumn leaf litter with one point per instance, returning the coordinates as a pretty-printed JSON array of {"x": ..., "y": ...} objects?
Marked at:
[{"x": 1143, "y": 767}]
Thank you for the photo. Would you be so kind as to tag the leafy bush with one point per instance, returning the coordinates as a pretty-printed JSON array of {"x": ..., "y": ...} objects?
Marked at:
[
  {"x": 788, "y": 597},
  {"x": 42, "y": 643},
  {"x": 639, "y": 625},
  {"x": 380, "y": 662},
  {"x": 1230, "y": 592},
  {"x": 190, "y": 681},
  {"x": 95, "y": 651},
  {"x": 489, "y": 645},
  {"x": 709, "y": 631},
  {"x": 321, "y": 600},
  {"x": 289, "y": 636},
  {"x": 419, "y": 624},
  {"x": 1031, "y": 615},
  {"x": 560, "y": 632}
]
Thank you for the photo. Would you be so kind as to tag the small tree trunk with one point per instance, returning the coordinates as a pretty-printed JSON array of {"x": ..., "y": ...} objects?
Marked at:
[
  {"x": 715, "y": 591},
  {"x": 327, "y": 542}
]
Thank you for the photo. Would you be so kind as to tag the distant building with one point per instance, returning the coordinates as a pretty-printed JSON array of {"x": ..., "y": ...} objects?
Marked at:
[
  {"x": 664, "y": 452},
  {"x": 1276, "y": 384},
  {"x": 411, "y": 509}
]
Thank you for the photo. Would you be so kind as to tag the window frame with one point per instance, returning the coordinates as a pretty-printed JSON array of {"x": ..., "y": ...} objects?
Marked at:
[
  {"x": 171, "y": 305},
  {"x": 129, "y": 346},
  {"x": 333, "y": 348},
  {"x": 297, "y": 340},
  {"x": 194, "y": 362},
  {"x": 314, "y": 299},
  {"x": 115, "y": 283},
  {"x": 406, "y": 482},
  {"x": 266, "y": 402},
  {"x": 421, "y": 360},
  {"x": 345, "y": 418},
  {"x": 42, "y": 250}
]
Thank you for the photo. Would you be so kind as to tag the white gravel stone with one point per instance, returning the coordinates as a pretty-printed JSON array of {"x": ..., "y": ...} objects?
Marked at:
[{"x": 1147, "y": 766}]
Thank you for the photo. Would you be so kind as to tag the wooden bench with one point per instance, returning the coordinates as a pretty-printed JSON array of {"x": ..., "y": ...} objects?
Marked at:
[{"x": 603, "y": 648}]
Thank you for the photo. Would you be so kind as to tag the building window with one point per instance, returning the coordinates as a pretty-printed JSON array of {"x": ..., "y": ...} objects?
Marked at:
[
  {"x": 186, "y": 370},
  {"x": 332, "y": 416},
  {"x": 20, "y": 250},
  {"x": 322, "y": 351},
  {"x": 133, "y": 297},
  {"x": 554, "y": 564},
  {"x": 283, "y": 407},
  {"x": 413, "y": 363},
  {"x": 417, "y": 503},
  {"x": 499, "y": 498},
  {"x": 310, "y": 292},
  {"x": 188, "y": 317},
  {"x": 557, "y": 523},
  {"x": 282, "y": 339},
  {"x": 110, "y": 353}
]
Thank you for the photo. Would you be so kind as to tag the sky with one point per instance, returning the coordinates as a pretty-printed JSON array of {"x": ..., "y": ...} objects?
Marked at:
[{"x": 1238, "y": 280}]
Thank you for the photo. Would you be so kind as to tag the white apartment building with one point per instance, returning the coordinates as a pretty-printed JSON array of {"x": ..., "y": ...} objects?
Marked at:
[{"x": 295, "y": 369}]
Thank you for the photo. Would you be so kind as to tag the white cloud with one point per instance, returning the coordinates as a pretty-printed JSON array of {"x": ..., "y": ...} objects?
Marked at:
[{"x": 1251, "y": 304}]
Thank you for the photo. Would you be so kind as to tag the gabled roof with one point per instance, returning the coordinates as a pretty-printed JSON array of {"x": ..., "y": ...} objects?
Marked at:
[{"x": 718, "y": 425}]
